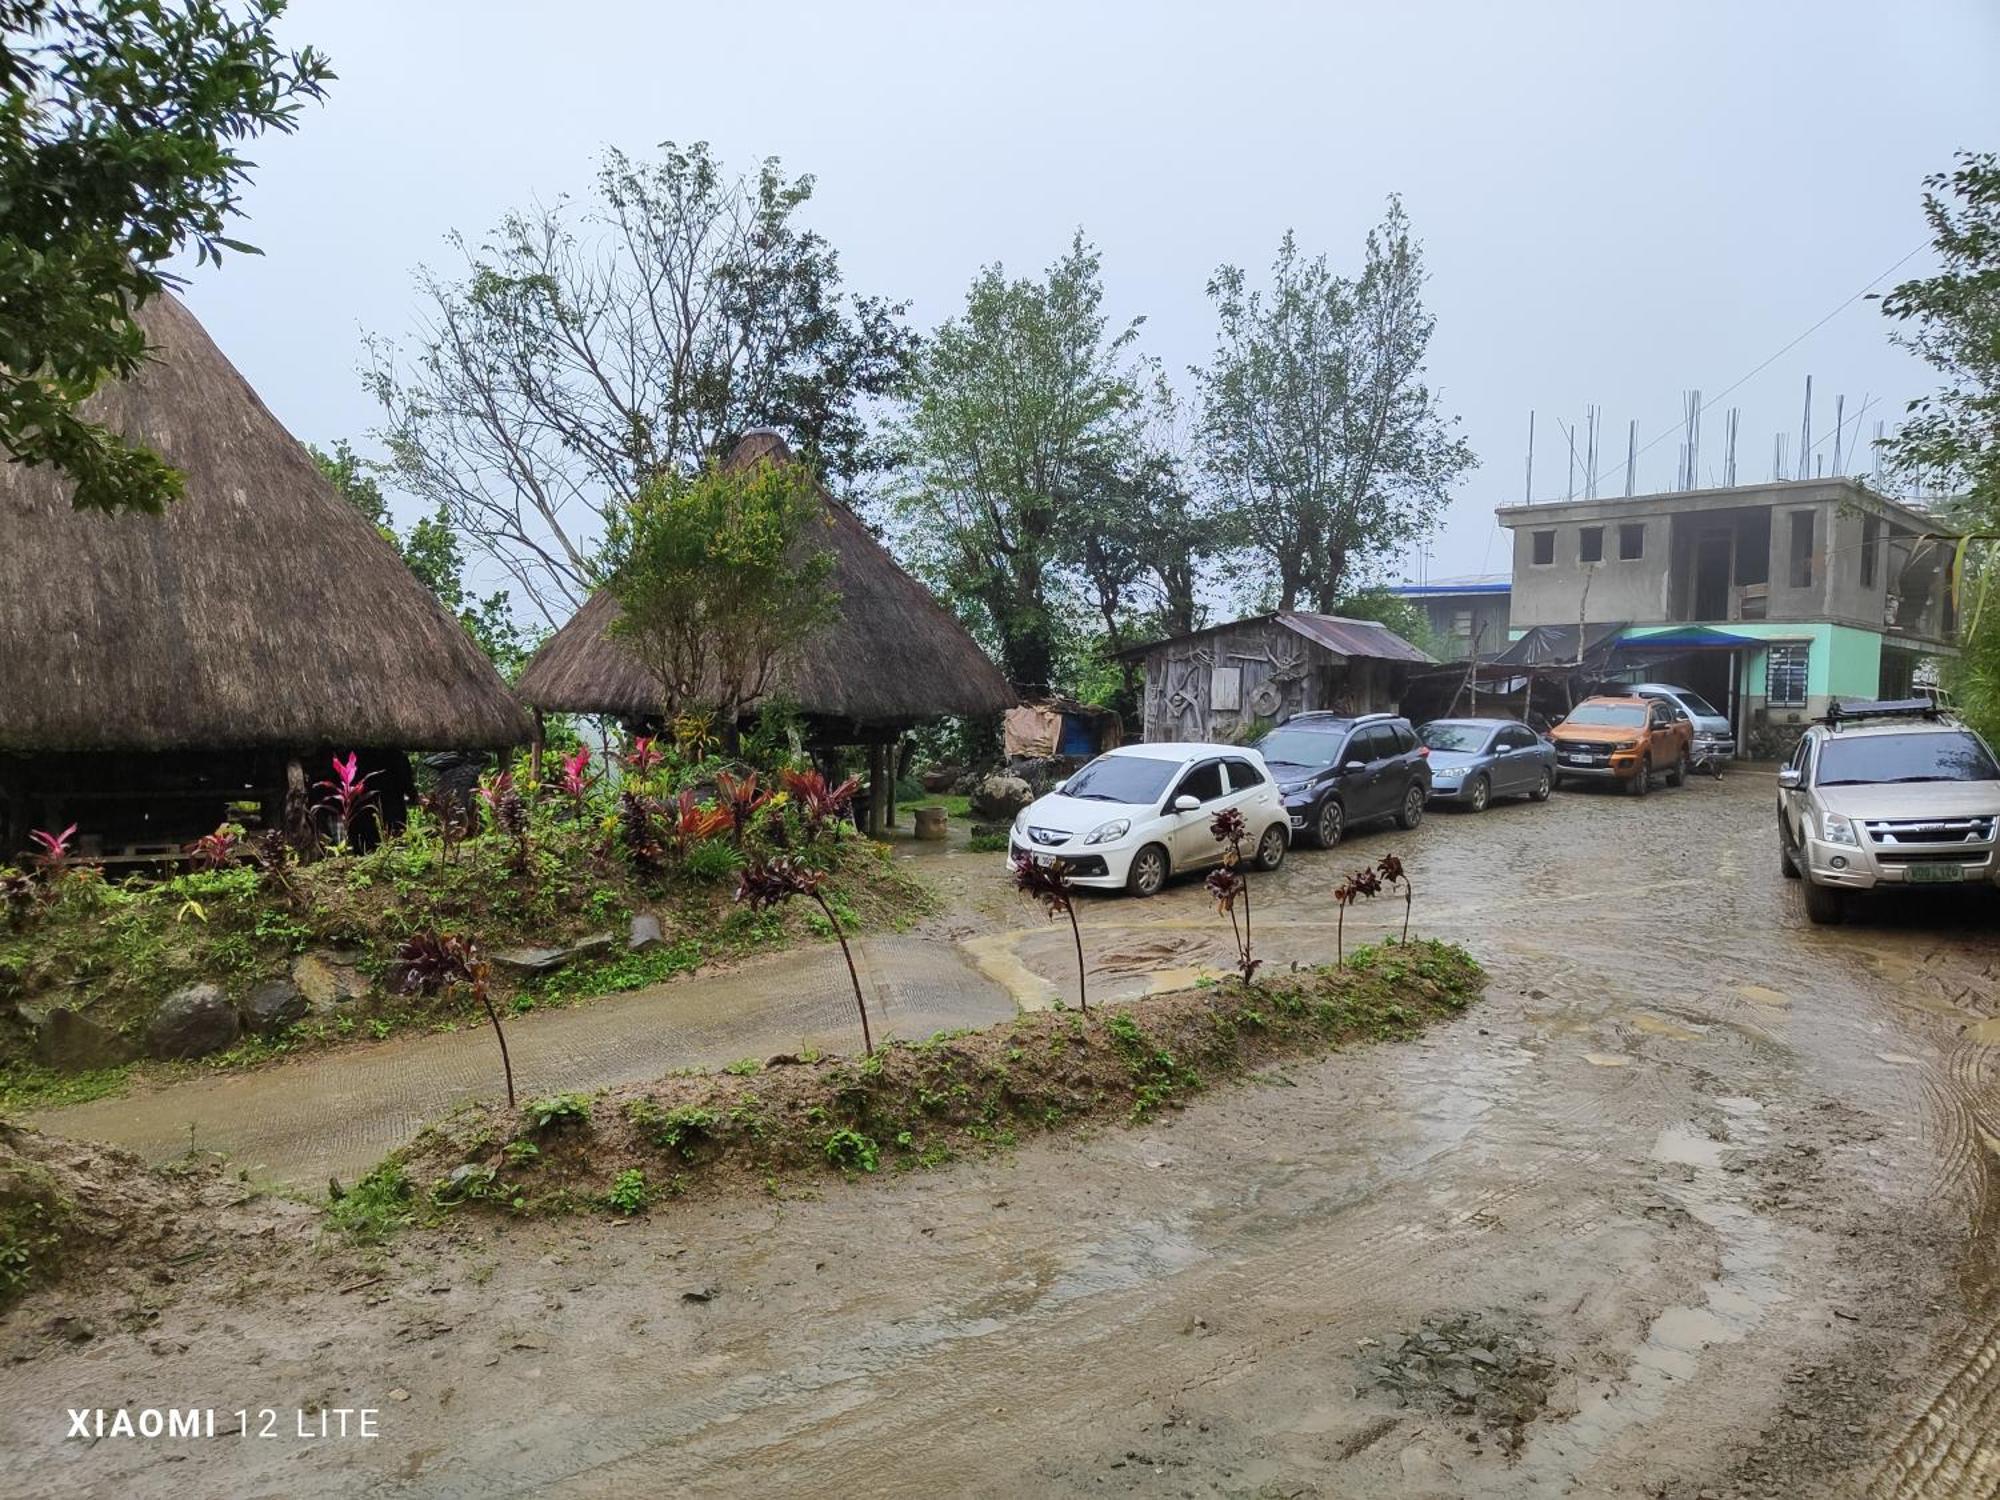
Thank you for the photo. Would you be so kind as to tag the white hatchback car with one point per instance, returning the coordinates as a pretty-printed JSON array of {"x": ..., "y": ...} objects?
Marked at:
[{"x": 1140, "y": 813}]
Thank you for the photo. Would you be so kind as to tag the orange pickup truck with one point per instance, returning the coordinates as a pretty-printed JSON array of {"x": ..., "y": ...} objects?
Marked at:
[{"x": 1628, "y": 740}]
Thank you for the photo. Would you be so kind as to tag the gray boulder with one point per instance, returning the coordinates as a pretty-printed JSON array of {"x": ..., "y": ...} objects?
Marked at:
[
  {"x": 998, "y": 798},
  {"x": 327, "y": 981},
  {"x": 192, "y": 1023},
  {"x": 644, "y": 934},
  {"x": 526, "y": 963},
  {"x": 71, "y": 1043},
  {"x": 274, "y": 1007}
]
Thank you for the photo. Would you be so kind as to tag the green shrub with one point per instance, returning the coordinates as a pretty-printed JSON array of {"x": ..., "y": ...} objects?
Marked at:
[
  {"x": 629, "y": 1193},
  {"x": 850, "y": 1150},
  {"x": 681, "y": 1129},
  {"x": 558, "y": 1111},
  {"x": 713, "y": 860},
  {"x": 377, "y": 1205}
]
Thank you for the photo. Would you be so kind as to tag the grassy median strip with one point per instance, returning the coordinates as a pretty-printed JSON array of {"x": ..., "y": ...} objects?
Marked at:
[{"x": 779, "y": 1124}]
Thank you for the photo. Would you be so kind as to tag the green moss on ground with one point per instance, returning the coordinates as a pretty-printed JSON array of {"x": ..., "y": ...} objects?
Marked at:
[{"x": 912, "y": 1105}]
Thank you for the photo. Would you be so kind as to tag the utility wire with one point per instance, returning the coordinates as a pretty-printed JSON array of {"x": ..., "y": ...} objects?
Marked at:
[{"x": 1788, "y": 348}]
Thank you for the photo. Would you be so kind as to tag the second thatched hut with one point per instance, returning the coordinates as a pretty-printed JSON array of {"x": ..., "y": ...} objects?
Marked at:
[{"x": 892, "y": 658}]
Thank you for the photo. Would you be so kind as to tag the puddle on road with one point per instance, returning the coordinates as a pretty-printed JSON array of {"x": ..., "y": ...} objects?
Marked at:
[
  {"x": 1654, "y": 1025},
  {"x": 1763, "y": 995},
  {"x": 1985, "y": 1033},
  {"x": 1606, "y": 1060}
]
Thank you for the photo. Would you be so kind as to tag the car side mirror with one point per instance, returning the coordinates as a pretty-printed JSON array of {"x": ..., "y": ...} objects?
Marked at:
[
  {"x": 1790, "y": 778},
  {"x": 1187, "y": 802}
]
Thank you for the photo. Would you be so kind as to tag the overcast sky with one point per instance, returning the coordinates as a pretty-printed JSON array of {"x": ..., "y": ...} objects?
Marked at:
[{"x": 1617, "y": 204}]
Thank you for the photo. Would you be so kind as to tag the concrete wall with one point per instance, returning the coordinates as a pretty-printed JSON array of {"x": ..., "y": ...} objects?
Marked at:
[{"x": 1489, "y": 622}]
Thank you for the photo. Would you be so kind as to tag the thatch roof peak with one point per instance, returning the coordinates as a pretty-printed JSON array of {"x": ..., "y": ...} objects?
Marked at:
[
  {"x": 262, "y": 610},
  {"x": 894, "y": 654}
]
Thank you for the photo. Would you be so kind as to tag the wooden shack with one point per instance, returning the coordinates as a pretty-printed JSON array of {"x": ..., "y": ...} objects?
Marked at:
[{"x": 1229, "y": 681}]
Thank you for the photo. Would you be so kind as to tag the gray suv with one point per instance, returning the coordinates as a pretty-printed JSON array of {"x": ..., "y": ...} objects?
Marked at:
[
  {"x": 1337, "y": 770},
  {"x": 1893, "y": 794}
]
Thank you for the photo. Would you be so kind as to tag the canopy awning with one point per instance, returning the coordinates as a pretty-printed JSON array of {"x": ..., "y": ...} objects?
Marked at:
[{"x": 1688, "y": 638}]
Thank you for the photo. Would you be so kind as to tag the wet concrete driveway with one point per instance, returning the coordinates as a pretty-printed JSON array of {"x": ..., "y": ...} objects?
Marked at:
[{"x": 1729, "y": 1179}]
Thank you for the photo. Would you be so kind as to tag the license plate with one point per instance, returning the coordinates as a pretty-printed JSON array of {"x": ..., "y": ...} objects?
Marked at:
[
  {"x": 1045, "y": 860},
  {"x": 1577, "y": 760},
  {"x": 1936, "y": 874}
]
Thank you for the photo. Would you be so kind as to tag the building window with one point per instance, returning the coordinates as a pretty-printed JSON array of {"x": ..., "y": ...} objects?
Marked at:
[
  {"x": 1631, "y": 541},
  {"x": 1871, "y": 546},
  {"x": 1801, "y": 574},
  {"x": 1541, "y": 548},
  {"x": 1785, "y": 676},
  {"x": 1590, "y": 544},
  {"x": 1461, "y": 623}
]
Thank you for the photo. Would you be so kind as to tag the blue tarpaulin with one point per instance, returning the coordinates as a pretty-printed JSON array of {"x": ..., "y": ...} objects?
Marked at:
[{"x": 1693, "y": 638}]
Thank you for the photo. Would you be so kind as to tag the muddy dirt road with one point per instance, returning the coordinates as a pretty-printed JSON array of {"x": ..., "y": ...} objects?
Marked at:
[{"x": 1699, "y": 1201}]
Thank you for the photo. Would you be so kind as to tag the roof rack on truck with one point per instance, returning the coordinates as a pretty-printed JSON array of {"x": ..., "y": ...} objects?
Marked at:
[{"x": 1862, "y": 710}]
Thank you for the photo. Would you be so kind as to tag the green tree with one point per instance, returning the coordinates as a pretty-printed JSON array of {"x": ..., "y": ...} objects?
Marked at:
[
  {"x": 1317, "y": 429},
  {"x": 589, "y": 349},
  {"x": 1951, "y": 320},
  {"x": 1020, "y": 419},
  {"x": 719, "y": 579},
  {"x": 1404, "y": 616},
  {"x": 120, "y": 130},
  {"x": 430, "y": 550}
]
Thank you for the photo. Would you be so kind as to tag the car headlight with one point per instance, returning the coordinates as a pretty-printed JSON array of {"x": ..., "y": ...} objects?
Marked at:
[
  {"x": 1104, "y": 833},
  {"x": 1837, "y": 830},
  {"x": 1447, "y": 773}
]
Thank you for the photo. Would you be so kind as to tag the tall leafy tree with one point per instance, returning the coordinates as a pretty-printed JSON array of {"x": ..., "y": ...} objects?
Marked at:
[
  {"x": 431, "y": 550},
  {"x": 1317, "y": 426},
  {"x": 1951, "y": 438},
  {"x": 1019, "y": 419},
  {"x": 719, "y": 578},
  {"x": 121, "y": 127},
  {"x": 589, "y": 350}
]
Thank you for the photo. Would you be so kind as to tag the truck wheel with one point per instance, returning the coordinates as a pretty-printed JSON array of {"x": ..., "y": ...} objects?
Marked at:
[
  {"x": 1788, "y": 864},
  {"x": 1148, "y": 872},
  {"x": 1642, "y": 783},
  {"x": 1826, "y": 905},
  {"x": 1679, "y": 774}
]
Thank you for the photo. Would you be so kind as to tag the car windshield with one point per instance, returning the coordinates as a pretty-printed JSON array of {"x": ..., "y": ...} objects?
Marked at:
[
  {"x": 1465, "y": 737},
  {"x": 1694, "y": 703},
  {"x": 1873, "y": 758},
  {"x": 1619, "y": 715},
  {"x": 1132, "y": 779},
  {"x": 1314, "y": 748}
]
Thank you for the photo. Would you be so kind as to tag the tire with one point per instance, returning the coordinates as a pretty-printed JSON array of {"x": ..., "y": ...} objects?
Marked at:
[
  {"x": 1148, "y": 874},
  {"x": 1788, "y": 864},
  {"x": 1641, "y": 784},
  {"x": 1478, "y": 794},
  {"x": 1826, "y": 906},
  {"x": 1329, "y": 823},
  {"x": 1270, "y": 850},
  {"x": 1543, "y": 787},
  {"x": 1411, "y": 813},
  {"x": 1679, "y": 774}
]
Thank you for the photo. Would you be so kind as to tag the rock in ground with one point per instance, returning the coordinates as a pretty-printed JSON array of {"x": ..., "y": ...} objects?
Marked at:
[
  {"x": 273, "y": 1007},
  {"x": 644, "y": 933},
  {"x": 326, "y": 982},
  {"x": 999, "y": 798},
  {"x": 71, "y": 1043},
  {"x": 192, "y": 1022}
]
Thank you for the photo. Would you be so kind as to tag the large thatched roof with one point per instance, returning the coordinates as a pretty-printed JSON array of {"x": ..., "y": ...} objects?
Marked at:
[
  {"x": 893, "y": 656},
  {"x": 262, "y": 610}
]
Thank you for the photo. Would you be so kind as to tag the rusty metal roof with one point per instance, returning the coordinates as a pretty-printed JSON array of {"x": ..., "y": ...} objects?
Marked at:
[{"x": 1345, "y": 637}]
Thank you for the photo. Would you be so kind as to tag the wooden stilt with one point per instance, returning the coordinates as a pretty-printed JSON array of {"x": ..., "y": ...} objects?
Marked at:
[{"x": 535, "y": 745}]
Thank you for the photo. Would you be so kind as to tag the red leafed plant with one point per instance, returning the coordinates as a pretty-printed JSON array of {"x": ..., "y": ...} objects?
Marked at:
[
  {"x": 639, "y": 828},
  {"x": 820, "y": 804},
  {"x": 1228, "y": 886},
  {"x": 1394, "y": 876},
  {"x": 430, "y": 961},
  {"x": 771, "y": 883},
  {"x": 642, "y": 757},
  {"x": 217, "y": 850},
  {"x": 743, "y": 799},
  {"x": 507, "y": 812},
  {"x": 1363, "y": 883},
  {"x": 689, "y": 821},
  {"x": 346, "y": 794},
  {"x": 51, "y": 856},
  {"x": 448, "y": 811},
  {"x": 1049, "y": 884},
  {"x": 578, "y": 776}
]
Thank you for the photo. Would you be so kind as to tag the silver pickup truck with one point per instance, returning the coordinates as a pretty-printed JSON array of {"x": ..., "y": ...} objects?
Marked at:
[{"x": 1887, "y": 794}]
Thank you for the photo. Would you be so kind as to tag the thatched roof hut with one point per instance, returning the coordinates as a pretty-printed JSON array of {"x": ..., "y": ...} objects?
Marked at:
[
  {"x": 261, "y": 615},
  {"x": 892, "y": 657}
]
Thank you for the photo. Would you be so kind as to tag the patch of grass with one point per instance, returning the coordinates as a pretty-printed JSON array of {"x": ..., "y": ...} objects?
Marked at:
[
  {"x": 629, "y": 971},
  {"x": 377, "y": 1206},
  {"x": 987, "y": 843},
  {"x": 26, "y": 1086}
]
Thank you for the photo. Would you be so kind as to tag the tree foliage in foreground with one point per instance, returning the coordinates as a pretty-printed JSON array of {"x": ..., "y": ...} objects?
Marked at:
[
  {"x": 589, "y": 350},
  {"x": 1318, "y": 430},
  {"x": 719, "y": 578},
  {"x": 121, "y": 127},
  {"x": 1951, "y": 320}
]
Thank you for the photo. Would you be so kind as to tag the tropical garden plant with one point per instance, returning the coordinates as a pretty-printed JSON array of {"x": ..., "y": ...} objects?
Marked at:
[
  {"x": 431, "y": 961},
  {"x": 771, "y": 883},
  {"x": 1049, "y": 884}
]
